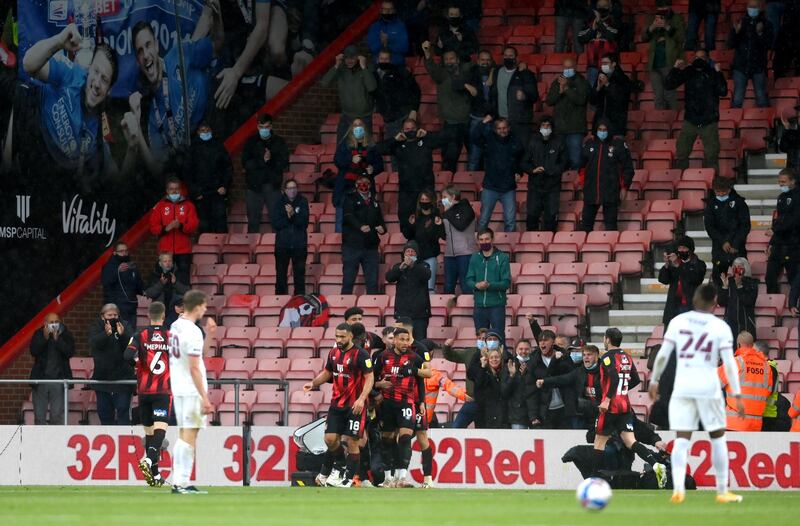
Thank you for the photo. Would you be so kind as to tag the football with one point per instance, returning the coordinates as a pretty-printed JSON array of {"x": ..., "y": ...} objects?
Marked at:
[{"x": 594, "y": 494}]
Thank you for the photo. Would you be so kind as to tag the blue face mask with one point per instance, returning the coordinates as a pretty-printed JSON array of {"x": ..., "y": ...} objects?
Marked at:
[
  {"x": 752, "y": 12},
  {"x": 445, "y": 202},
  {"x": 264, "y": 133},
  {"x": 785, "y": 189},
  {"x": 592, "y": 368},
  {"x": 358, "y": 132},
  {"x": 174, "y": 197},
  {"x": 480, "y": 344},
  {"x": 492, "y": 345},
  {"x": 576, "y": 356},
  {"x": 523, "y": 359},
  {"x": 205, "y": 136},
  {"x": 602, "y": 134},
  {"x": 723, "y": 198},
  {"x": 569, "y": 73}
]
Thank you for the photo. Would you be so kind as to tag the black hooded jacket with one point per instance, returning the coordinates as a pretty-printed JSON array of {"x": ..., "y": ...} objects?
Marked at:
[{"x": 412, "y": 297}]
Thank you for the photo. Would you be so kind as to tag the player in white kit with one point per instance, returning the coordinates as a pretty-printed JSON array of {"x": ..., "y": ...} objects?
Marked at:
[
  {"x": 700, "y": 339},
  {"x": 189, "y": 385}
]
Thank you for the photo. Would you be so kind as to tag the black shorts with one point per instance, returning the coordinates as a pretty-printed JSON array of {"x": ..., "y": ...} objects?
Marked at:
[
  {"x": 397, "y": 415},
  {"x": 608, "y": 423},
  {"x": 342, "y": 421},
  {"x": 154, "y": 408}
]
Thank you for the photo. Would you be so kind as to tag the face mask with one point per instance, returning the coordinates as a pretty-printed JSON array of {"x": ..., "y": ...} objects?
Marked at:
[
  {"x": 509, "y": 63},
  {"x": 492, "y": 345},
  {"x": 602, "y": 134},
  {"x": 363, "y": 187},
  {"x": 607, "y": 69},
  {"x": 452, "y": 68},
  {"x": 486, "y": 247},
  {"x": 569, "y": 73},
  {"x": 384, "y": 66},
  {"x": 722, "y": 198},
  {"x": 603, "y": 11},
  {"x": 484, "y": 70},
  {"x": 358, "y": 132},
  {"x": 426, "y": 207},
  {"x": 699, "y": 63},
  {"x": 545, "y": 132},
  {"x": 411, "y": 135},
  {"x": 54, "y": 326},
  {"x": 576, "y": 356},
  {"x": 205, "y": 136},
  {"x": 291, "y": 193},
  {"x": 174, "y": 197},
  {"x": 124, "y": 259},
  {"x": 446, "y": 202},
  {"x": 752, "y": 12},
  {"x": 413, "y": 259},
  {"x": 683, "y": 255},
  {"x": 388, "y": 17},
  {"x": 785, "y": 189},
  {"x": 264, "y": 133},
  {"x": 480, "y": 344},
  {"x": 592, "y": 368},
  {"x": 113, "y": 321},
  {"x": 523, "y": 359},
  {"x": 455, "y": 21}
]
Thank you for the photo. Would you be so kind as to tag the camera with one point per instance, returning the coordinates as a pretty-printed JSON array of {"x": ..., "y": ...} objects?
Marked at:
[{"x": 738, "y": 271}]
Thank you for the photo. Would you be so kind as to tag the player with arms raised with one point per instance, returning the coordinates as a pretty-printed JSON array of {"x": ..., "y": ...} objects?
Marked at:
[
  {"x": 700, "y": 339},
  {"x": 189, "y": 384},
  {"x": 149, "y": 348},
  {"x": 350, "y": 368}
]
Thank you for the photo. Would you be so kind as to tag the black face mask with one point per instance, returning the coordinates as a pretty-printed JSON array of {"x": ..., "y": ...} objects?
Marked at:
[
  {"x": 410, "y": 134},
  {"x": 484, "y": 70},
  {"x": 388, "y": 18},
  {"x": 124, "y": 259},
  {"x": 455, "y": 21},
  {"x": 452, "y": 68},
  {"x": 603, "y": 11},
  {"x": 683, "y": 255},
  {"x": 426, "y": 207},
  {"x": 699, "y": 63},
  {"x": 385, "y": 67},
  {"x": 510, "y": 63}
]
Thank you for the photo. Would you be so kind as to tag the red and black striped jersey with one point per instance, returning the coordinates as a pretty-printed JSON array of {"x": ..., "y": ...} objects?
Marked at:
[
  {"x": 617, "y": 376},
  {"x": 401, "y": 371},
  {"x": 348, "y": 369},
  {"x": 592, "y": 386},
  {"x": 151, "y": 353}
]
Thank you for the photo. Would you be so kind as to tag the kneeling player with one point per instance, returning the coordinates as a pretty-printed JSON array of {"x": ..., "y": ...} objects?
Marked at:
[
  {"x": 150, "y": 350},
  {"x": 350, "y": 368}
]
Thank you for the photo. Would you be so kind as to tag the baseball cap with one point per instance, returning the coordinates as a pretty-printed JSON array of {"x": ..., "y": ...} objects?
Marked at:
[
  {"x": 350, "y": 51},
  {"x": 576, "y": 343}
]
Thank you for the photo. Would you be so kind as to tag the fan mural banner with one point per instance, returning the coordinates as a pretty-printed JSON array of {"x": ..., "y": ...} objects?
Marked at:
[{"x": 480, "y": 459}]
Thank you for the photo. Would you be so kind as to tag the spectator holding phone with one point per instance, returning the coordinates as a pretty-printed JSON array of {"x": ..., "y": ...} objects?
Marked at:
[
  {"x": 122, "y": 282},
  {"x": 164, "y": 285},
  {"x": 683, "y": 271},
  {"x": 665, "y": 31},
  {"x": 727, "y": 221},
  {"x": 108, "y": 339},
  {"x": 738, "y": 295}
]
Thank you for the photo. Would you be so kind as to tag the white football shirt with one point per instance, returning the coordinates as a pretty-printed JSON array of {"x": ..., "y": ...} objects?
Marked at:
[
  {"x": 186, "y": 339},
  {"x": 700, "y": 339}
]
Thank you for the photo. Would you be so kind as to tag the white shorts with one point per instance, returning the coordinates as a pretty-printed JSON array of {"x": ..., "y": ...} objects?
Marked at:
[
  {"x": 189, "y": 412},
  {"x": 686, "y": 413}
]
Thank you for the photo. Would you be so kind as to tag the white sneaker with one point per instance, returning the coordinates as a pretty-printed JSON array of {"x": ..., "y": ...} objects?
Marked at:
[
  {"x": 340, "y": 483},
  {"x": 334, "y": 478},
  {"x": 366, "y": 484},
  {"x": 427, "y": 483},
  {"x": 320, "y": 480},
  {"x": 403, "y": 483}
]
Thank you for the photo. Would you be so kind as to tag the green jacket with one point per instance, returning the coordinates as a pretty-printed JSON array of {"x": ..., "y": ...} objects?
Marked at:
[
  {"x": 673, "y": 43},
  {"x": 569, "y": 108},
  {"x": 453, "y": 99},
  {"x": 355, "y": 87},
  {"x": 496, "y": 269},
  {"x": 771, "y": 410},
  {"x": 464, "y": 356}
]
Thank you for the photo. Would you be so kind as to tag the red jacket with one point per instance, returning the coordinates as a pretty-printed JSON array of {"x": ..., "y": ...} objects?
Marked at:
[{"x": 176, "y": 240}]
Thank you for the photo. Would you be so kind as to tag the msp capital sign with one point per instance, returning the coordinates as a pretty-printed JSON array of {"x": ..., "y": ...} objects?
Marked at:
[{"x": 25, "y": 231}]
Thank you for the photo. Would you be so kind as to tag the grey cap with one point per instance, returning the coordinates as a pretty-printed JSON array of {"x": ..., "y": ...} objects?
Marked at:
[{"x": 350, "y": 51}]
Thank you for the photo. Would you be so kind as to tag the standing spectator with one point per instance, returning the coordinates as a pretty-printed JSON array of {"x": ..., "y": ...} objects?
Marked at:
[
  {"x": 582, "y": 381},
  {"x": 51, "y": 348},
  {"x": 459, "y": 229},
  {"x": 355, "y": 156},
  {"x": 545, "y": 161},
  {"x": 665, "y": 31},
  {"x": 426, "y": 228},
  {"x": 457, "y": 36},
  {"x": 454, "y": 99},
  {"x": 704, "y": 86},
  {"x": 790, "y": 139},
  {"x": 412, "y": 297},
  {"x": 570, "y": 14},
  {"x": 488, "y": 374},
  {"x": 388, "y": 33},
  {"x": 413, "y": 148},
  {"x": 356, "y": 86},
  {"x": 501, "y": 173},
  {"x": 164, "y": 285},
  {"x": 683, "y": 271},
  {"x": 553, "y": 407},
  {"x": 738, "y": 295},
  {"x": 208, "y": 173},
  {"x": 289, "y": 217},
  {"x": 518, "y": 384},
  {"x": 727, "y": 221},
  {"x": 489, "y": 277},
  {"x": 469, "y": 411},
  {"x": 607, "y": 175},
  {"x": 600, "y": 37},
  {"x": 513, "y": 94},
  {"x": 397, "y": 96},
  {"x": 783, "y": 251},
  {"x": 122, "y": 282},
  {"x": 706, "y": 11},
  {"x": 108, "y": 338},
  {"x": 363, "y": 223},
  {"x": 752, "y": 38},
  {"x": 265, "y": 157},
  {"x": 174, "y": 220},
  {"x": 481, "y": 105},
  {"x": 611, "y": 96},
  {"x": 569, "y": 96}
]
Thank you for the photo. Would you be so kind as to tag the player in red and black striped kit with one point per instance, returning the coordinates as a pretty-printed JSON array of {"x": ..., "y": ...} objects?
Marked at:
[
  {"x": 618, "y": 375},
  {"x": 149, "y": 348},
  {"x": 350, "y": 368}
]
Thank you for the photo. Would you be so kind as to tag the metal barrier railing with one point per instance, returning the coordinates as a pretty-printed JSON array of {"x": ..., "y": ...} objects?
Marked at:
[{"x": 236, "y": 382}]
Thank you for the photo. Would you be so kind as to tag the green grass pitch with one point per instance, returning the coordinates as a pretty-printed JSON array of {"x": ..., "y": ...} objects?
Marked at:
[{"x": 142, "y": 506}]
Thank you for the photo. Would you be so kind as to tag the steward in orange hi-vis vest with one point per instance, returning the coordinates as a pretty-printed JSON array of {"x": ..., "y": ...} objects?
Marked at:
[{"x": 755, "y": 379}]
